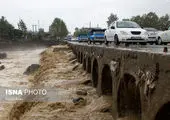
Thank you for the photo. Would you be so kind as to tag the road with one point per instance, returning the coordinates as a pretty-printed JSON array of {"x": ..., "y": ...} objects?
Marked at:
[{"x": 142, "y": 48}]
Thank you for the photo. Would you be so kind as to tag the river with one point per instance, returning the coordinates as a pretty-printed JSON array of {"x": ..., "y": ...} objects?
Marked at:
[{"x": 18, "y": 59}]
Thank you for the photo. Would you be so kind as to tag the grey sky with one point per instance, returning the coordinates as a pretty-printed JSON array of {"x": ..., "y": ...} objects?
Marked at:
[{"x": 77, "y": 13}]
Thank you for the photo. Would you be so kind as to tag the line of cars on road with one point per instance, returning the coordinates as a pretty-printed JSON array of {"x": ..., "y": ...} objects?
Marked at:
[
  {"x": 127, "y": 32},
  {"x": 94, "y": 35}
]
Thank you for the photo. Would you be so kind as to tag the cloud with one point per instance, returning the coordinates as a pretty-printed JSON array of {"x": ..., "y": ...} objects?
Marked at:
[{"x": 77, "y": 13}]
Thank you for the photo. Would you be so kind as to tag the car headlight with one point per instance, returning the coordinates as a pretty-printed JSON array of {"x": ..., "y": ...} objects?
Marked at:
[
  {"x": 146, "y": 33},
  {"x": 123, "y": 33}
]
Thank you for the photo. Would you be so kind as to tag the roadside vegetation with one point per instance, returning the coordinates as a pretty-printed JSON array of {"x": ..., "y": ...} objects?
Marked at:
[
  {"x": 57, "y": 31},
  {"x": 150, "y": 19}
]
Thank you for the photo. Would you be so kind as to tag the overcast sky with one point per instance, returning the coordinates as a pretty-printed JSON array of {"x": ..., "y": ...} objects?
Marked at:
[{"x": 77, "y": 13}]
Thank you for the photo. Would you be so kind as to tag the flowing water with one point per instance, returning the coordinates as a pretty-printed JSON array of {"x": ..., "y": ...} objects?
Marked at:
[
  {"x": 12, "y": 76},
  {"x": 15, "y": 64}
]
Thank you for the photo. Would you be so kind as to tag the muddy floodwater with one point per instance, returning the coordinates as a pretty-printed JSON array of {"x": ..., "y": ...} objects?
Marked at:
[
  {"x": 18, "y": 59},
  {"x": 58, "y": 70},
  {"x": 16, "y": 63}
]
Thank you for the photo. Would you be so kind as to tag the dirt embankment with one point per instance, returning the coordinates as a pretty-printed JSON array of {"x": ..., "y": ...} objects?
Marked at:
[{"x": 59, "y": 70}]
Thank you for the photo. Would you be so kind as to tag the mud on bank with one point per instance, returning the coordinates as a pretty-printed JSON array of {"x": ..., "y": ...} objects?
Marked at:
[{"x": 59, "y": 70}]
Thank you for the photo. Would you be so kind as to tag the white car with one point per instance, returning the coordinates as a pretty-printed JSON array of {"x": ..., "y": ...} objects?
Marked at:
[
  {"x": 153, "y": 34},
  {"x": 164, "y": 37},
  {"x": 126, "y": 32}
]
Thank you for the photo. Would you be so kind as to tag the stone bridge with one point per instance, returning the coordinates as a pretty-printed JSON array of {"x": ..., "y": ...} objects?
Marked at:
[{"x": 137, "y": 81}]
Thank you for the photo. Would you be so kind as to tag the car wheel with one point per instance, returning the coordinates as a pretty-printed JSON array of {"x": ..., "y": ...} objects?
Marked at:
[
  {"x": 89, "y": 42},
  {"x": 151, "y": 43},
  {"x": 105, "y": 41},
  {"x": 116, "y": 40},
  {"x": 126, "y": 44},
  {"x": 159, "y": 42},
  {"x": 165, "y": 43},
  {"x": 143, "y": 43}
]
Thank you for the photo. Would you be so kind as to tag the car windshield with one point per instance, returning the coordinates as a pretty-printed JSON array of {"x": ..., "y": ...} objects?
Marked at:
[
  {"x": 98, "y": 32},
  {"x": 151, "y": 29},
  {"x": 127, "y": 24},
  {"x": 82, "y": 35}
]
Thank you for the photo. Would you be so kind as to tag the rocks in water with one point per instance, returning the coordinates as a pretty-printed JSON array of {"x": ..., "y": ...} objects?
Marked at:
[
  {"x": 2, "y": 67},
  {"x": 79, "y": 101},
  {"x": 3, "y": 55},
  {"x": 81, "y": 92},
  {"x": 31, "y": 69},
  {"x": 72, "y": 57},
  {"x": 87, "y": 82},
  {"x": 73, "y": 61},
  {"x": 106, "y": 109},
  {"x": 75, "y": 67}
]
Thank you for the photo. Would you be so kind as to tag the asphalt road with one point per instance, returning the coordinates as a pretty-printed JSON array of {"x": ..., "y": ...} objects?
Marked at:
[{"x": 142, "y": 48}]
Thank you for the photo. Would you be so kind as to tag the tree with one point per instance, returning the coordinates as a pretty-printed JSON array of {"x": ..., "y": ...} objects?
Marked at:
[
  {"x": 58, "y": 29},
  {"x": 152, "y": 20},
  {"x": 6, "y": 29},
  {"x": 18, "y": 34},
  {"x": 112, "y": 18},
  {"x": 41, "y": 33},
  {"x": 138, "y": 19},
  {"x": 80, "y": 31},
  {"x": 164, "y": 22},
  {"x": 22, "y": 27}
]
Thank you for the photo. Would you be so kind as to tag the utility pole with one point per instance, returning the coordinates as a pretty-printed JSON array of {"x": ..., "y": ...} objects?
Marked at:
[
  {"x": 35, "y": 28},
  {"x": 38, "y": 25},
  {"x": 90, "y": 25}
]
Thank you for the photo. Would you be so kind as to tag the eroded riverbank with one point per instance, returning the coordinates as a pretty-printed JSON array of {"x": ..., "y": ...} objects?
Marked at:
[
  {"x": 59, "y": 70},
  {"x": 18, "y": 59}
]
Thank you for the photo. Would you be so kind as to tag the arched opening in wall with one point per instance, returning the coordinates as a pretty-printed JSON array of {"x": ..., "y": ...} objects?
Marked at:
[
  {"x": 106, "y": 81},
  {"x": 81, "y": 58},
  {"x": 95, "y": 73},
  {"x": 89, "y": 65},
  {"x": 84, "y": 63},
  {"x": 164, "y": 112},
  {"x": 129, "y": 102}
]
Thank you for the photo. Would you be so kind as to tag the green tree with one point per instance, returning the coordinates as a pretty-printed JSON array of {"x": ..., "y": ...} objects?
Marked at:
[
  {"x": 138, "y": 19},
  {"x": 58, "y": 29},
  {"x": 164, "y": 22},
  {"x": 6, "y": 29},
  {"x": 152, "y": 20},
  {"x": 18, "y": 34},
  {"x": 80, "y": 31},
  {"x": 22, "y": 27},
  {"x": 112, "y": 18},
  {"x": 41, "y": 33}
]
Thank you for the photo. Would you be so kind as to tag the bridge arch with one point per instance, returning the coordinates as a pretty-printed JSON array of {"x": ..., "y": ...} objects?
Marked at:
[
  {"x": 128, "y": 98},
  {"x": 89, "y": 65},
  {"x": 106, "y": 85},
  {"x": 163, "y": 113},
  {"x": 95, "y": 72},
  {"x": 81, "y": 57},
  {"x": 84, "y": 62}
]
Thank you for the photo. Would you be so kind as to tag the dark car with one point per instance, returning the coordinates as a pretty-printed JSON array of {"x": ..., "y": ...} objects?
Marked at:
[
  {"x": 83, "y": 37},
  {"x": 96, "y": 35}
]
